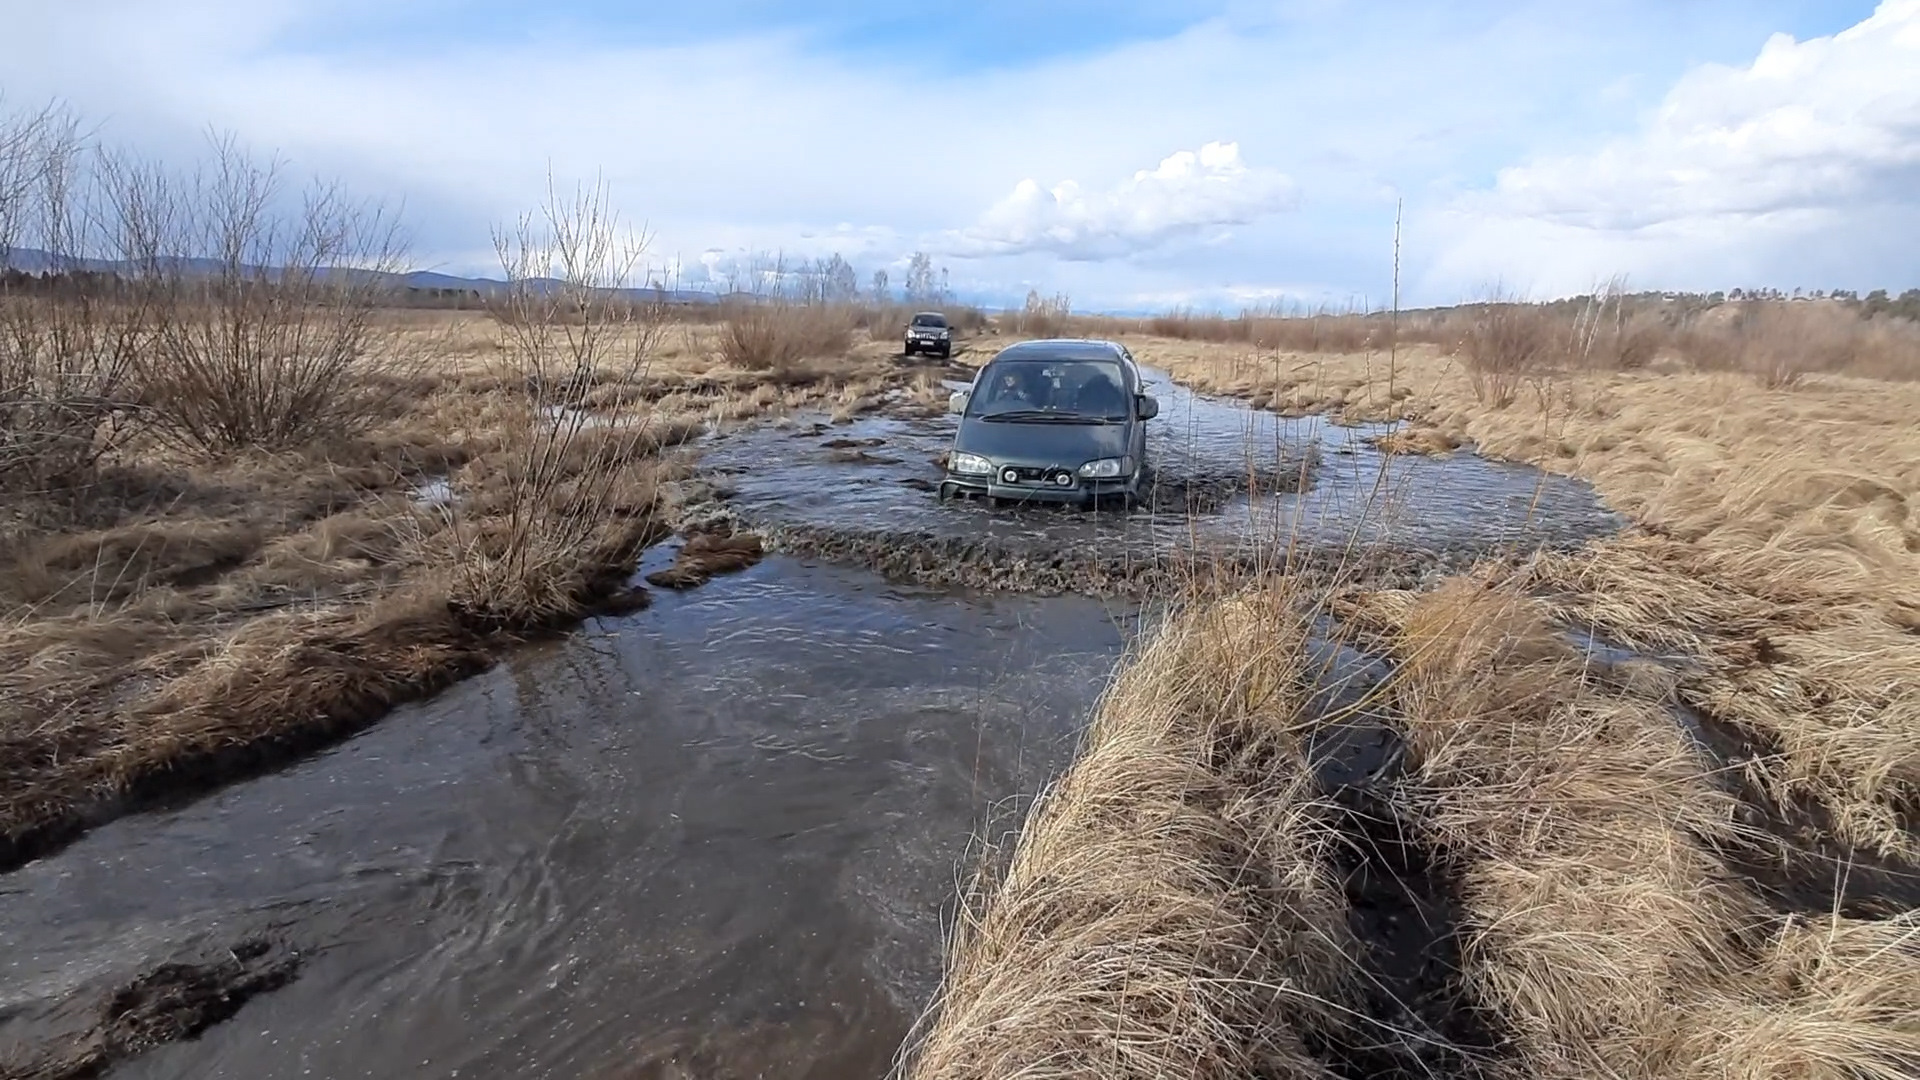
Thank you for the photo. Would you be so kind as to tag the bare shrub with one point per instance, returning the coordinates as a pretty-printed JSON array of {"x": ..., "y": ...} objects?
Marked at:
[
  {"x": 1605, "y": 335},
  {"x": 1320, "y": 332},
  {"x": 1504, "y": 343},
  {"x": 68, "y": 336},
  {"x": 1781, "y": 342},
  {"x": 1272, "y": 327},
  {"x": 562, "y": 508},
  {"x": 1042, "y": 316},
  {"x": 777, "y": 335},
  {"x": 266, "y": 308},
  {"x": 1185, "y": 324}
]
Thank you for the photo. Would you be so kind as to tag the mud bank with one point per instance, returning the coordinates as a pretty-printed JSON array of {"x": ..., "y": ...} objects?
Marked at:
[
  {"x": 173, "y": 1002},
  {"x": 305, "y": 686},
  {"x": 1009, "y": 565}
]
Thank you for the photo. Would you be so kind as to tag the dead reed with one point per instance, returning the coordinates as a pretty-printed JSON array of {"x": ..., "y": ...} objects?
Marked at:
[
  {"x": 1582, "y": 825},
  {"x": 777, "y": 335},
  {"x": 1169, "y": 908}
]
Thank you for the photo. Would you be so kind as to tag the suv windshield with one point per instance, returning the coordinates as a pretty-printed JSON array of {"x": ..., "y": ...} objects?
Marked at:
[
  {"x": 930, "y": 320},
  {"x": 1082, "y": 390}
]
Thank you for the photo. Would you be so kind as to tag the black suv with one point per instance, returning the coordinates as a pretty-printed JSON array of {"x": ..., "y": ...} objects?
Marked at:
[{"x": 929, "y": 332}]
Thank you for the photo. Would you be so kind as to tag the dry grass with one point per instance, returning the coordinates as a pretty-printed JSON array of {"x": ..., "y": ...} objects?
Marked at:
[
  {"x": 1169, "y": 910},
  {"x": 777, "y": 336},
  {"x": 177, "y": 617},
  {"x": 1775, "y": 566},
  {"x": 1601, "y": 925},
  {"x": 1778, "y": 542}
]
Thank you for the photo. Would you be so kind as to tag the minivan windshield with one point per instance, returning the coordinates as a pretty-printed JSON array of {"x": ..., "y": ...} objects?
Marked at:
[
  {"x": 929, "y": 320},
  {"x": 1057, "y": 391}
]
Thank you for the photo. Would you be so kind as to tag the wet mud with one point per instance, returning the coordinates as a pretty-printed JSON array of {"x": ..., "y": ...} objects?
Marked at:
[
  {"x": 704, "y": 555},
  {"x": 1401, "y": 895},
  {"x": 172, "y": 1002},
  {"x": 1789, "y": 855}
]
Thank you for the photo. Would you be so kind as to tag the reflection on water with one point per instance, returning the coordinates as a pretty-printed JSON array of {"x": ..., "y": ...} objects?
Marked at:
[{"x": 715, "y": 839}]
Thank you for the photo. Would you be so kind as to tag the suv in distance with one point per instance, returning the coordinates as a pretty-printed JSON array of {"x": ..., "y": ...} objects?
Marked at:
[
  {"x": 1052, "y": 421},
  {"x": 929, "y": 332}
]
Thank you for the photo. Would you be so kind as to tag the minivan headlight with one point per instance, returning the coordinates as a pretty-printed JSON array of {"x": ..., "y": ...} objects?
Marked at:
[
  {"x": 969, "y": 464},
  {"x": 1107, "y": 468}
]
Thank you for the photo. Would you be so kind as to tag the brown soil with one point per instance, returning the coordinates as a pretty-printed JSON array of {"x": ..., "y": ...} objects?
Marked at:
[
  {"x": 706, "y": 555},
  {"x": 168, "y": 1004}
]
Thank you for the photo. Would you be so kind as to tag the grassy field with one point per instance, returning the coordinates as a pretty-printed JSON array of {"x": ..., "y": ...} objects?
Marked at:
[
  {"x": 174, "y": 614},
  {"x": 1693, "y": 855}
]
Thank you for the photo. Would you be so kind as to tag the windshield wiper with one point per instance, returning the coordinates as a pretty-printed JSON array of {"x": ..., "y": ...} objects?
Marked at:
[{"x": 1042, "y": 416}]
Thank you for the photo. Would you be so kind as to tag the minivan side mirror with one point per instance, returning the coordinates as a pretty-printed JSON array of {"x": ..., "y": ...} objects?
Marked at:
[
  {"x": 1148, "y": 407},
  {"x": 958, "y": 402}
]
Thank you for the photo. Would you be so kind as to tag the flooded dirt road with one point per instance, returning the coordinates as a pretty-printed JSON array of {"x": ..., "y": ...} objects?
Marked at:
[
  {"x": 713, "y": 838},
  {"x": 1230, "y": 483}
]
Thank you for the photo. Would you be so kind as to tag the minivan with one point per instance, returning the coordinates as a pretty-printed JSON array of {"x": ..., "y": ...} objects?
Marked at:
[{"x": 1052, "y": 421}]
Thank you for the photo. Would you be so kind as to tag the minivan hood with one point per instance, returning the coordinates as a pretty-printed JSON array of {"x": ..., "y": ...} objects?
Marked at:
[{"x": 1067, "y": 446}]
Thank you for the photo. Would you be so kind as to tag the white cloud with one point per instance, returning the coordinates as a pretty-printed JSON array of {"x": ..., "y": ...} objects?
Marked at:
[
  {"x": 1742, "y": 174},
  {"x": 1819, "y": 123},
  {"x": 744, "y": 137},
  {"x": 1190, "y": 192}
]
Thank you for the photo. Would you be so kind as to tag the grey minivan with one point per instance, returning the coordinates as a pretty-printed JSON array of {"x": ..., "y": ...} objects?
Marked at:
[{"x": 1052, "y": 421}]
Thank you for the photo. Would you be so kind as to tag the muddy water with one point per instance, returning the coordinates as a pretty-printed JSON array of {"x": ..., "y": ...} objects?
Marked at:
[
  {"x": 1227, "y": 478},
  {"x": 716, "y": 837}
]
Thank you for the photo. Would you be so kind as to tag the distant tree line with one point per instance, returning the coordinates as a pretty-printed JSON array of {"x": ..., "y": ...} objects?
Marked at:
[{"x": 834, "y": 280}]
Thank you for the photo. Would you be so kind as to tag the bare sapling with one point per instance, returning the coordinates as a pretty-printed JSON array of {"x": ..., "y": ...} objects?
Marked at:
[{"x": 571, "y": 497}]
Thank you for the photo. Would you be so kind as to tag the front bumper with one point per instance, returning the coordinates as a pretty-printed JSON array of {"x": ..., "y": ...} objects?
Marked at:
[
  {"x": 929, "y": 343},
  {"x": 1082, "y": 491}
]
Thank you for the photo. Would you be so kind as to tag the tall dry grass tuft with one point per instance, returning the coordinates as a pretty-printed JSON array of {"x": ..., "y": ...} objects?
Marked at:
[
  {"x": 777, "y": 335},
  {"x": 1169, "y": 909},
  {"x": 1600, "y": 926},
  {"x": 1800, "y": 663}
]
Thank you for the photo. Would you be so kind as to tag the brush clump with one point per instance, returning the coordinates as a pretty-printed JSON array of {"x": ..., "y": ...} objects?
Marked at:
[{"x": 1169, "y": 908}]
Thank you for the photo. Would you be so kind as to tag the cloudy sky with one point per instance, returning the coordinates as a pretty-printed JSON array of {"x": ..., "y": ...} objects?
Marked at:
[{"x": 1131, "y": 153}]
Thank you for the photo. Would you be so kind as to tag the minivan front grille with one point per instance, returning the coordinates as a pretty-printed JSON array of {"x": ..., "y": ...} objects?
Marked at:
[{"x": 1025, "y": 474}]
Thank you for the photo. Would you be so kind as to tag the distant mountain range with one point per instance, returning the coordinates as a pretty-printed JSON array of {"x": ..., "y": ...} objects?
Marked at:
[{"x": 34, "y": 261}]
